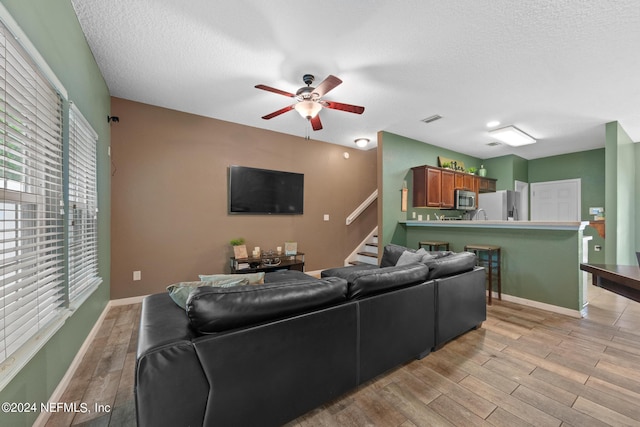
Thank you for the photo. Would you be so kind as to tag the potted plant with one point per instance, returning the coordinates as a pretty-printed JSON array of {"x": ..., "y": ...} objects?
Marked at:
[
  {"x": 446, "y": 165},
  {"x": 239, "y": 248},
  {"x": 472, "y": 170}
]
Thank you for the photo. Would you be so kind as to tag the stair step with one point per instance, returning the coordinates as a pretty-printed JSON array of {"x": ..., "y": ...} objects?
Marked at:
[
  {"x": 358, "y": 263},
  {"x": 375, "y": 244},
  {"x": 369, "y": 254}
]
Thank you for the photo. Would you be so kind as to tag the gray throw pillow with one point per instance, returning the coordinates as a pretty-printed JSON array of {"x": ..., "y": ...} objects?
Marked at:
[
  {"x": 179, "y": 292},
  {"x": 409, "y": 258}
]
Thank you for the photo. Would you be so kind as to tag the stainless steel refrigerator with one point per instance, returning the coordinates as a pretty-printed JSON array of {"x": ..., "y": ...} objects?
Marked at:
[{"x": 501, "y": 205}]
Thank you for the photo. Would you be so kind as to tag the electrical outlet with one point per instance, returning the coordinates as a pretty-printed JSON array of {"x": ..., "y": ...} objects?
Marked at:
[
  {"x": 326, "y": 217},
  {"x": 137, "y": 275}
]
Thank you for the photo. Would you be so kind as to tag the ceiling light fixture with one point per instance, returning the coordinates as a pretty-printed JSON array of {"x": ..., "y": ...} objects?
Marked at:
[
  {"x": 513, "y": 136},
  {"x": 362, "y": 142},
  {"x": 308, "y": 109}
]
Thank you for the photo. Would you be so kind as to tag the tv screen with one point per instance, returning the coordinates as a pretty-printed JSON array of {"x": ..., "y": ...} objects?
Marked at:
[{"x": 263, "y": 191}]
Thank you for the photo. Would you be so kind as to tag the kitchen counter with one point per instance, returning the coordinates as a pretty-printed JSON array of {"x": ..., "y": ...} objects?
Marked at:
[
  {"x": 525, "y": 225},
  {"x": 540, "y": 259}
]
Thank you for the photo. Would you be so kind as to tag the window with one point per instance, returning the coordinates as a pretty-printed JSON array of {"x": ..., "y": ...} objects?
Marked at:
[
  {"x": 32, "y": 292},
  {"x": 83, "y": 207}
]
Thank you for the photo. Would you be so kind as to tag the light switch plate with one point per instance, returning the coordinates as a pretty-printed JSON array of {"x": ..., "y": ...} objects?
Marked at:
[{"x": 326, "y": 217}]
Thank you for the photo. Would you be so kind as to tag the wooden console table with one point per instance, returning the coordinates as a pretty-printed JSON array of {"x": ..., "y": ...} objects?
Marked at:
[
  {"x": 621, "y": 279},
  {"x": 254, "y": 265}
]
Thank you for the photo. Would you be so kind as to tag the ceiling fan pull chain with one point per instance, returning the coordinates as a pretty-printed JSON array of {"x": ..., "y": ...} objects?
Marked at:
[{"x": 307, "y": 135}]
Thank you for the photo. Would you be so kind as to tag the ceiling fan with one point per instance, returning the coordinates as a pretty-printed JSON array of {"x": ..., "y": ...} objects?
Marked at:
[{"x": 309, "y": 100}]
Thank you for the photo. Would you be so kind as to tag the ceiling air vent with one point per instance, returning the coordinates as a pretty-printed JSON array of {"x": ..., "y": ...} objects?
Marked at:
[
  {"x": 494, "y": 143},
  {"x": 432, "y": 118}
]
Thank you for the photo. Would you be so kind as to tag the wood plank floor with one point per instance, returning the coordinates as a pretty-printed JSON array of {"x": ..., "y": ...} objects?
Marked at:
[{"x": 523, "y": 367}]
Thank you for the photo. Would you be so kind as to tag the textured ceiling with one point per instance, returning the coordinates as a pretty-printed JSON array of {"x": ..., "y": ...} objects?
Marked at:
[{"x": 558, "y": 69}]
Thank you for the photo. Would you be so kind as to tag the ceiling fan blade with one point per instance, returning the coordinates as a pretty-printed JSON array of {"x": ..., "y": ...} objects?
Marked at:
[
  {"x": 277, "y": 113},
  {"x": 343, "y": 107},
  {"x": 316, "y": 124},
  {"x": 274, "y": 90},
  {"x": 327, "y": 84}
]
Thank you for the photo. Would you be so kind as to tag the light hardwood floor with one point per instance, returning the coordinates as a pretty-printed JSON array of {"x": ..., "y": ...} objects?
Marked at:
[{"x": 523, "y": 367}]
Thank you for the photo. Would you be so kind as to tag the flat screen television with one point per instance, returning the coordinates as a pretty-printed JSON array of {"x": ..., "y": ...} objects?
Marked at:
[{"x": 266, "y": 192}]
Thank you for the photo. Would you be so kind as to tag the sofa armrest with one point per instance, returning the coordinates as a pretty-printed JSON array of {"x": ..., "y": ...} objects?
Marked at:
[
  {"x": 168, "y": 372},
  {"x": 460, "y": 304}
]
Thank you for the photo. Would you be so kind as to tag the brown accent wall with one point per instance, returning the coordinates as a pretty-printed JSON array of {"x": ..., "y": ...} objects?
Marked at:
[{"x": 169, "y": 215}]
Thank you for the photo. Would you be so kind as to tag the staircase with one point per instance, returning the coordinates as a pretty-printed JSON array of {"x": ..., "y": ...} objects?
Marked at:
[{"x": 367, "y": 252}]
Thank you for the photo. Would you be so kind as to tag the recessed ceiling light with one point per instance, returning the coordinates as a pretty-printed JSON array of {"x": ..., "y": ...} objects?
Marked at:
[
  {"x": 493, "y": 124},
  {"x": 511, "y": 135}
]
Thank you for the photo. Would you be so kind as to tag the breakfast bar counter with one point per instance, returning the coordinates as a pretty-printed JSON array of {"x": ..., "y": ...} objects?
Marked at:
[
  {"x": 522, "y": 225},
  {"x": 540, "y": 259}
]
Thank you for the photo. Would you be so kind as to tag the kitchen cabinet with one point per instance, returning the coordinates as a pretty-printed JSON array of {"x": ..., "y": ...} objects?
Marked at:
[
  {"x": 459, "y": 180},
  {"x": 447, "y": 196},
  {"x": 468, "y": 181},
  {"x": 487, "y": 185},
  {"x": 427, "y": 187},
  {"x": 435, "y": 187}
]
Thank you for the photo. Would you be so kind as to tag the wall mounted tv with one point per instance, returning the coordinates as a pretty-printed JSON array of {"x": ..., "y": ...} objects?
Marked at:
[{"x": 266, "y": 192}]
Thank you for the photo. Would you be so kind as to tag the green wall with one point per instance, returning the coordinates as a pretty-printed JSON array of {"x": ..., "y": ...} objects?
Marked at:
[
  {"x": 533, "y": 264},
  {"x": 621, "y": 216},
  {"x": 53, "y": 28},
  {"x": 396, "y": 156},
  {"x": 589, "y": 167},
  {"x": 507, "y": 169}
]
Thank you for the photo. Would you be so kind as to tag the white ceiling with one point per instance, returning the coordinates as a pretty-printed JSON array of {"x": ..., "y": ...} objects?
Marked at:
[{"x": 557, "y": 69}]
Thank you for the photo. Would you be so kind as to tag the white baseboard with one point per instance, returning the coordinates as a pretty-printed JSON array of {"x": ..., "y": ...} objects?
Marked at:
[
  {"x": 126, "y": 301},
  {"x": 540, "y": 305}
]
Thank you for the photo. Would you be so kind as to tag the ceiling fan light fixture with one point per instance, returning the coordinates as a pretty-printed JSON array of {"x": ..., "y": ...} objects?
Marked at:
[
  {"x": 308, "y": 109},
  {"x": 512, "y": 136},
  {"x": 362, "y": 142}
]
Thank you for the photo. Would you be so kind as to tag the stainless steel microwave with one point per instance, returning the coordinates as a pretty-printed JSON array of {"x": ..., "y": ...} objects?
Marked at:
[{"x": 465, "y": 200}]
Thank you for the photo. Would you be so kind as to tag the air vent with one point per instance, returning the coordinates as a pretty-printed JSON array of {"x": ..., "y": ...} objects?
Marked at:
[
  {"x": 432, "y": 118},
  {"x": 494, "y": 143}
]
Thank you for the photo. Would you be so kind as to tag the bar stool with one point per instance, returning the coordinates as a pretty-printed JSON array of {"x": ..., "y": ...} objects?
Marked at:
[
  {"x": 490, "y": 263},
  {"x": 433, "y": 245}
]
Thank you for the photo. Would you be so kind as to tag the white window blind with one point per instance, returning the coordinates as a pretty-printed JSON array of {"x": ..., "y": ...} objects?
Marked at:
[
  {"x": 32, "y": 292},
  {"x": 83, "y": 207}
]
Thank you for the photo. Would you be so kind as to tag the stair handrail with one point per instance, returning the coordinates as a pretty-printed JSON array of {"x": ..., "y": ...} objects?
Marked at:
[{"x": 364, "y": 205}]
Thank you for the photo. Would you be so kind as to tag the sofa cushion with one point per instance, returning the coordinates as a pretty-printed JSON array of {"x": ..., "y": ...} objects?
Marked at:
[
  {"x": 391, "y": 254},
  {"x": 179, "y": 292},
  {"x": 253, "y": 278},
  {"x": 212, "y": 310},
  {"x": 449, "y": 264},
  {"x": 347, "y": 271},
  {"x": 286, "y": 276},
  {"x": 410, "y": 257},
  {"x": 372, "y": 281}
]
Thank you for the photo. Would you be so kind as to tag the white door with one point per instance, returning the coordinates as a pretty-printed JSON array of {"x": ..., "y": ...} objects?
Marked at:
[{"x": 555, "y": 200}]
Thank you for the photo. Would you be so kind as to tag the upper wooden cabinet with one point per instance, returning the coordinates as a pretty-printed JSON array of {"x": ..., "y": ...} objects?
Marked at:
[
  {"x": 427, "y": 182},
  {"x": 447, "y": 199},
  {"x": 434, "y": 187},
  {"x": 487, "y": 185}
]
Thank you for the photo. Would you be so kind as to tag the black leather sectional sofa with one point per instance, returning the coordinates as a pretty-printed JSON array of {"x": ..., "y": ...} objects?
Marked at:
[{"x": 265, "y": 354}]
